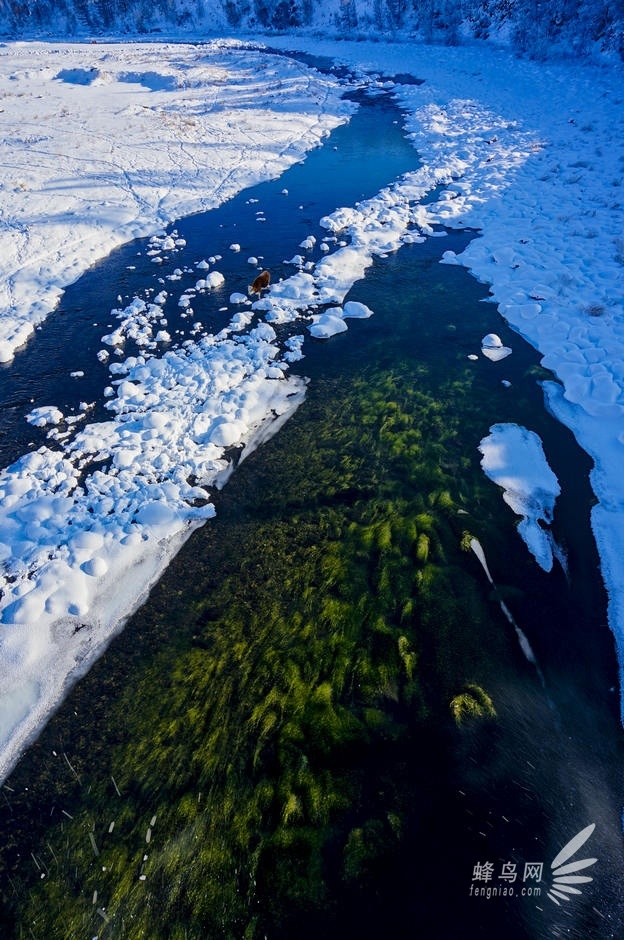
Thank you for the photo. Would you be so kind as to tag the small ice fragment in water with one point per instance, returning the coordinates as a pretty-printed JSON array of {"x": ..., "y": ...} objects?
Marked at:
[
  {"x": 356, "y": 310},
  {"x": 493, "y": 349}
]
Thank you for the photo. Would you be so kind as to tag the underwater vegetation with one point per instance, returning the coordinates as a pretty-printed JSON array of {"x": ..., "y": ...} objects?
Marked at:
[{"x": 274, "y": 761}]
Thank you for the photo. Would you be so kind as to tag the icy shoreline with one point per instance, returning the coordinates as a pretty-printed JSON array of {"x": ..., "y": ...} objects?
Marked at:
[
  {"x": 537, "y": 152},
  {"x": 104, "y": 143}
]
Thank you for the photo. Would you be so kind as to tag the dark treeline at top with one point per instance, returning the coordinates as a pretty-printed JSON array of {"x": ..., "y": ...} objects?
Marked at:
[{"x": 539, "y": 28}]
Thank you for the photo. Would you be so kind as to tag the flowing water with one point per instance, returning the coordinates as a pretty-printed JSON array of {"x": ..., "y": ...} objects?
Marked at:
[{"x": 438, "y": 802}]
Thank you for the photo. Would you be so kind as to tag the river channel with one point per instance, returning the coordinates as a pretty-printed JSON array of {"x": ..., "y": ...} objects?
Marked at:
[{"x": 190, "y": 785}]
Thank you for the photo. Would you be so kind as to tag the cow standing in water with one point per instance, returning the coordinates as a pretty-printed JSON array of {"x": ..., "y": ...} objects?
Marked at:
[{"x": 263, "y": 280}]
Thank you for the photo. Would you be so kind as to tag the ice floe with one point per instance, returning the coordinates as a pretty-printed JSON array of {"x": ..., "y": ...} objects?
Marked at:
[{"x": 513, "y": 457}]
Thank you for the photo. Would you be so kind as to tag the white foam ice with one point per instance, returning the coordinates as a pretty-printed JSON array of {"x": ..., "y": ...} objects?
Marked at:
[
  {"x": 45, "y": 414},
  {"x": 328, "y": 323},
  {"x": 492, "y": 348}
]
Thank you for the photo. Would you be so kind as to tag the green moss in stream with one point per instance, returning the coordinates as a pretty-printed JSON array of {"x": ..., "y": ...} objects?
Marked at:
[
  {"x": 272, "y": 758},
  {"x": 472, "y": 703}
]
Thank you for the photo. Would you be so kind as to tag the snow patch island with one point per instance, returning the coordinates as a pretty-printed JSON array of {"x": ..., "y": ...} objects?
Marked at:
[
  {"x": 85, "y": 529},
  {"x": 513, "y": 457}
]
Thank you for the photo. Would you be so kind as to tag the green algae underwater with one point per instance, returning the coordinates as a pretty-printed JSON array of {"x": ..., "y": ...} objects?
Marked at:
[{"x": 320, "y": 707}]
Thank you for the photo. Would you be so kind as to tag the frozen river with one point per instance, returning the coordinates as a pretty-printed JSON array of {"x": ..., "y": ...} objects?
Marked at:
[{"x": 199, "y": 372}]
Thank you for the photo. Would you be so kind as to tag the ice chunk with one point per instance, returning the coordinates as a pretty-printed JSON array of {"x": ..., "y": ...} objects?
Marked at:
[
  {"x": 492, "y": 347},
  {"x": 325, "y": 325},
  {"x": 491, "y": 341},
  {"x": 215, "y": 279},
  {"x": 513, "y": 457},
  {"x": 46, "y": 414},
  {"x": 356, "y": 310}
]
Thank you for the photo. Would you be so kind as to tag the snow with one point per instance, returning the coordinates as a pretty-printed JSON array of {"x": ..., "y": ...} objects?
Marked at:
[
  {"x": 328, "y": 324},
  {"x": 513, "y": 457},
  {"x": 46, "y": 414},
  {"x": 78, "y": 548},
  {"x": 104, "y": 143},
  {"x": 529, "y": 154},
  {"x": 331, "y": 321},
  {"x": 356, "y": 310}
]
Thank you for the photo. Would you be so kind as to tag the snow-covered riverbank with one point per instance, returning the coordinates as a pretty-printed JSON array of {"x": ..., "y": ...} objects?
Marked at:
[
  {"x": 102, "y": 144},
  {"x": 105, "y": 143}
]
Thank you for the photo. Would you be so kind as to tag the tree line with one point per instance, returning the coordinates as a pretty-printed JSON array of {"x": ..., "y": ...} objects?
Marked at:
[{"x": 537, "y": 28}]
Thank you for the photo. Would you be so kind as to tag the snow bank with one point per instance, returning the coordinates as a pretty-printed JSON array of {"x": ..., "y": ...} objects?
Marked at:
[{"x": 87, "y": 528}]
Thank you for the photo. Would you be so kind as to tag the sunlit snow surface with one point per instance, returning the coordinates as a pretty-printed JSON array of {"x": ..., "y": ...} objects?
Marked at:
[{"x": 103, "y": 143}]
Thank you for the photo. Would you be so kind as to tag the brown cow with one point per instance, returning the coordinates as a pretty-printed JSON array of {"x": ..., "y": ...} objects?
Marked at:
[{"x": 263, "y": 280}]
